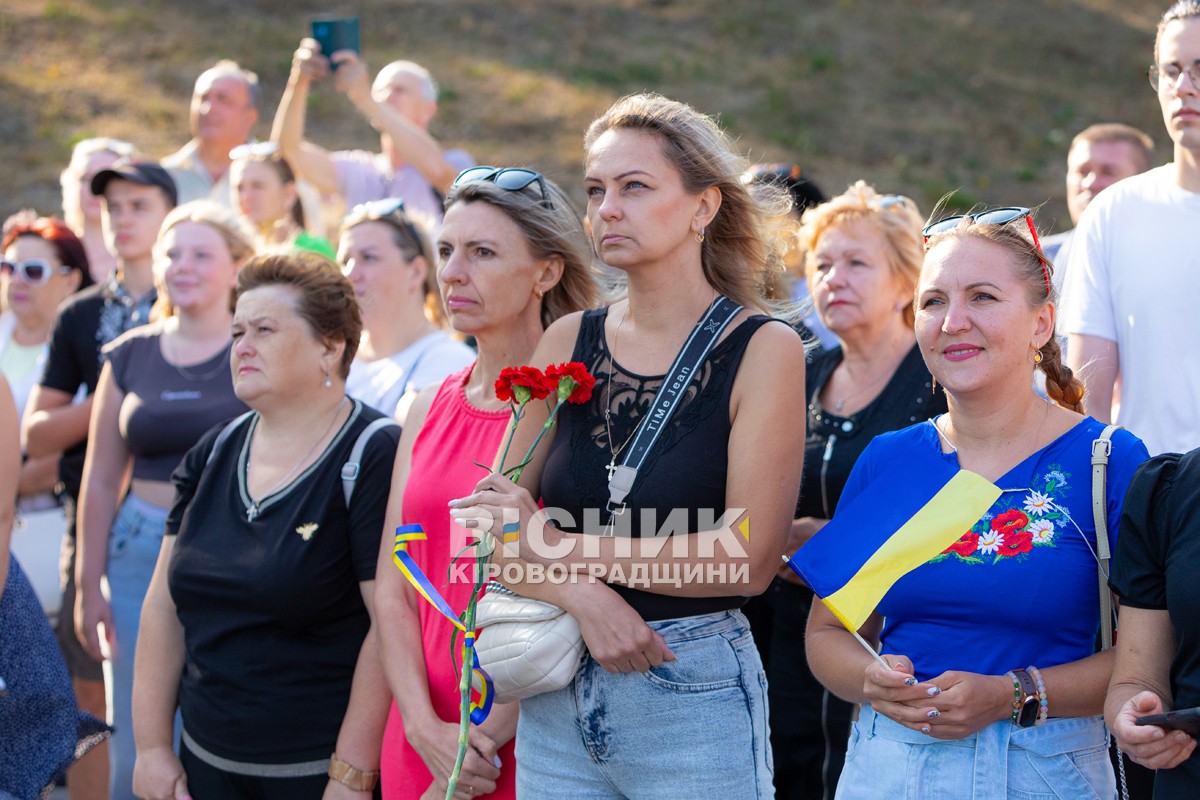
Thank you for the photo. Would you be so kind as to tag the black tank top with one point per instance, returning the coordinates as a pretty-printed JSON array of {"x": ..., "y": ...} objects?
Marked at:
[{"x": 686, "y": 469}]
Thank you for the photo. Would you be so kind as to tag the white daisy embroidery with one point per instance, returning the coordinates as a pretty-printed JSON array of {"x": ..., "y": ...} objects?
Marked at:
[
  {"x": 1037, "y": 503},
  {"x": 1042, "y": 530},
  {"x": 990, "y": 542}
]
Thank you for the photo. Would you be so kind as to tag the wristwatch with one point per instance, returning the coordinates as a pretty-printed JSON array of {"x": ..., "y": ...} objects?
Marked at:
[
  {"x": 353, "y": 777},
  {"x": 1027, "y": 706}
]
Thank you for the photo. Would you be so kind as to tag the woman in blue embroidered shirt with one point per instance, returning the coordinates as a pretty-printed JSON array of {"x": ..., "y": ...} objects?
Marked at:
[{"x": 965, "y": 710}]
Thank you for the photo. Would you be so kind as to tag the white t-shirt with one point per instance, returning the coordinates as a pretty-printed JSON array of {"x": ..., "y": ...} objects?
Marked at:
[
  {"x": 1133, "y": 277},
  {"x": 384, "y": 382}
]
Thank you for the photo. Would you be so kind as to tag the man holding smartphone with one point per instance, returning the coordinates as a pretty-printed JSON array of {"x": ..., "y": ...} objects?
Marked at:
[{"x": 400, "y": 105}]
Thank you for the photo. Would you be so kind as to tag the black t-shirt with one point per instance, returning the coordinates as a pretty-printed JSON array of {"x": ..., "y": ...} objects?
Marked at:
[
  {"x": 271, "y": 609},
  {"x": 686, "y": 469},
  {"x": 86, "y": 322},
  {"x": 1158, "y": 550}
]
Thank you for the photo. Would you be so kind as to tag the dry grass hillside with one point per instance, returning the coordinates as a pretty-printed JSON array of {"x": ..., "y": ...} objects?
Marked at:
[{"x": 920, "y": 97}]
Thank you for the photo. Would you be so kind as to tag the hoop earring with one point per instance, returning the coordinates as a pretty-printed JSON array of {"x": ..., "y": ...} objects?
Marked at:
[
  {"x": 1037, "y": 356},
  {"x": 932, "y": 385}
]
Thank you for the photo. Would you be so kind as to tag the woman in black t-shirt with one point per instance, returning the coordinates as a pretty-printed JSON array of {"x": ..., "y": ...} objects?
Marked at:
[
  {"x": 863, "y": 253},
  {"x": 670, "y": 700},
  {"x": 1158, "y": 650},
  {"x": 262, "y": 597}
]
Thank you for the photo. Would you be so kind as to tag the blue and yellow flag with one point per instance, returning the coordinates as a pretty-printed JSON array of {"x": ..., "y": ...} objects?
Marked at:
[{"x": 903, "y": 518}]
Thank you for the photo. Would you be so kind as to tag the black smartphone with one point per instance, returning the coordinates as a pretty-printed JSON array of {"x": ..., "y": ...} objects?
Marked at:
[
  {"x": 335, "y": 33},
  {"x": 1183, "y": 719}
]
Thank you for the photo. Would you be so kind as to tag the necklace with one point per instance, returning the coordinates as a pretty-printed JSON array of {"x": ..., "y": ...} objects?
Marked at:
[
  {"x": 174, "y": 360},
  {"x": 255, "y": 505},
  {"x": 612, "y": 464},
  {"x": 953, "y": 449}
]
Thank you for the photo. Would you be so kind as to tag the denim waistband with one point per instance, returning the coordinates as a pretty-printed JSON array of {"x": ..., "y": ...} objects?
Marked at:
[
  {"x": 719, "y": 622},
  {"x": 1058, "y": 735}
]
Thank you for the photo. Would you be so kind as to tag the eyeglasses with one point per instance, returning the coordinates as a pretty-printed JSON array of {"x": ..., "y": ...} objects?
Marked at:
[
  {"x": 259, "y": 149},
  {"x": 35, "y": 271},
  {"x": 389, "y": 210},
  {"x": 1168, "y": 75},
  {"x": 512, "y": 179},
  {"x": 994, "y": 216}
]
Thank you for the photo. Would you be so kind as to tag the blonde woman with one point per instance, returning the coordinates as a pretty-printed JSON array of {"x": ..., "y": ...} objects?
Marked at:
[
  {"x": 162, "y": 387},
  {"x": 81, "y": 208}
]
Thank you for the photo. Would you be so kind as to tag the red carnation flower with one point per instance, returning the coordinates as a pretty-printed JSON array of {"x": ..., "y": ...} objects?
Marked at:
[
  {"x": 1009, "y": 522},
  {"x": 522, "y": 384},
  {"x": 1015, "y": 543},
  {"x": 573, "y": 380},
  {"x": 965, "y": 546}
]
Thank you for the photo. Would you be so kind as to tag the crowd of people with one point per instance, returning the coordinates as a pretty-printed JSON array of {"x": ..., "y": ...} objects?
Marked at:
[{"x": 226, "y": 410}]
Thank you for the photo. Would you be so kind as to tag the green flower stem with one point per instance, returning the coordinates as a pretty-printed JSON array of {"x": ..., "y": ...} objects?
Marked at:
[
  {"x": 518, "y": 411},
  {"x": 464, "y": 677},
  {"x": 514, "y": 474}
]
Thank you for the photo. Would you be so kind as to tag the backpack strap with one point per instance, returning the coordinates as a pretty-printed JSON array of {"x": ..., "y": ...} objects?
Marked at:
[
  {"x": 352, "y": 468},
  {"x": 225, "y": 433},
  {"x": 1101, "y": 448}
]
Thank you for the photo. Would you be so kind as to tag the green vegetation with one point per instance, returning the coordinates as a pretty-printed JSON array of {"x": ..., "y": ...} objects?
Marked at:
[{"x": 921, "y": 97}]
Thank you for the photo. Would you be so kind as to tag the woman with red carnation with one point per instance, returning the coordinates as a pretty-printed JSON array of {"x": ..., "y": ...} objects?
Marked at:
[
  {"x": 510, "y": 262},
  {"x": 994, "y": 688},
  {"x": 670, "y": 699}
]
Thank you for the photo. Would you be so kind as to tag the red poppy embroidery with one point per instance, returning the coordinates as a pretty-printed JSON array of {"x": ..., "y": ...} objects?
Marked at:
[
  {"x": 1015, "y": 543},
  {"x": 965, "y": 546},
  {"x": 1009, "y": 522}
]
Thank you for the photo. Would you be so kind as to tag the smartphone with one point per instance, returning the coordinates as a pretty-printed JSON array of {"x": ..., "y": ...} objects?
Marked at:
[
  {"x": 1183, "y": 719},
  {"x": 335, "y": 33}
]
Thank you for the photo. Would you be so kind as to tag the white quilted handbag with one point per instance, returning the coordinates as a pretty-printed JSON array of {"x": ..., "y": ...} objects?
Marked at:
[{"x": 527, "y": 646}]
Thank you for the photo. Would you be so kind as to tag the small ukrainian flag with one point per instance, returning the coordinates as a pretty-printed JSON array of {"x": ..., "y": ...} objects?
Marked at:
[{"x": 901, "y": 520}]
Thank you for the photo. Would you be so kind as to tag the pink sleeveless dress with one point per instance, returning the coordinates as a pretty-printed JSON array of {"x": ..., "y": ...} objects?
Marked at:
[{"x": 455, "y": 434}]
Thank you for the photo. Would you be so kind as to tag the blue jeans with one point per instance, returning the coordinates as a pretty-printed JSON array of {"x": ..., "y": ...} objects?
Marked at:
[
  {"x": 694, "y": 727},
  {"x": 1065, "y": 759},
  {"x": 133, "y": 544}
]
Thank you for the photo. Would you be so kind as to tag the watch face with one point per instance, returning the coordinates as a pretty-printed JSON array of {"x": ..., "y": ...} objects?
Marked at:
[{"x": 1029, "y": 712}]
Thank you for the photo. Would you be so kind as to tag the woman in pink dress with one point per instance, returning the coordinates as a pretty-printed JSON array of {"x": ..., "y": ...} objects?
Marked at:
[{"x": 512, "y": 258}]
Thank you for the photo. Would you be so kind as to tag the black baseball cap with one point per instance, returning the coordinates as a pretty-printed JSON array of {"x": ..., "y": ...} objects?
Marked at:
[{"x": 145, "y": 173}]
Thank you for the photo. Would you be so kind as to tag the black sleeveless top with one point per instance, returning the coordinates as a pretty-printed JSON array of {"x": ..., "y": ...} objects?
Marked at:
[{"x": 685, "y": 470}]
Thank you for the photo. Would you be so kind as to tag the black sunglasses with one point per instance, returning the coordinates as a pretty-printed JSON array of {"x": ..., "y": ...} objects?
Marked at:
[
  {"x": 35, "y": 271},
  {"x": 994, "y": 216},
  {"x": 512, "y": 179}
]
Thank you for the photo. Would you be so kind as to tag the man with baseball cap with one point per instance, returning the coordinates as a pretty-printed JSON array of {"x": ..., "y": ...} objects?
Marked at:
[{"x": 137, "y": 195}]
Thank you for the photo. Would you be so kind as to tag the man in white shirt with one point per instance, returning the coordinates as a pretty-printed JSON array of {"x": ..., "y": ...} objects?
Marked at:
[
  {"x": 1133, "y": 277},
  {"x": 224, "y": 111}
]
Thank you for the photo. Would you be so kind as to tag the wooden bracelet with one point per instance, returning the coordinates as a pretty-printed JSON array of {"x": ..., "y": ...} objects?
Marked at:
[{"x": 351, "y": 776}]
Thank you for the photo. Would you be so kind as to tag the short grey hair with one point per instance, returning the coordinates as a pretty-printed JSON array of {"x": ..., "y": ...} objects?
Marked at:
[
  {"x": 229, "y": 67},
  {"x": 429, "y": 87}
]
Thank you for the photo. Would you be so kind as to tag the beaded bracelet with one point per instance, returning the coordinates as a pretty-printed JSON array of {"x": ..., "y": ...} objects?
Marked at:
[
  {"x": 1016, "y": 695},
  {"x": 1044, "y": 705}
]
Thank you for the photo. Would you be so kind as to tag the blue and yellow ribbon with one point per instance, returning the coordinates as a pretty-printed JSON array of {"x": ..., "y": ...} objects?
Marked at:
[{"x": 424, "y": 587}]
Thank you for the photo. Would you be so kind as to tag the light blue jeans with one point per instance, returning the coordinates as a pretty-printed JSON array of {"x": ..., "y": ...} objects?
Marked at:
[
  {"x": 133, "y": 544},
  {"x": 1065, "y": 759},
  {"x": 694, "y": 727}
]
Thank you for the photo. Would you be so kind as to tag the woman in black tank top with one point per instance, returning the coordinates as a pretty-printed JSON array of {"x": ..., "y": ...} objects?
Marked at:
[{"x": 671, "y": 698}]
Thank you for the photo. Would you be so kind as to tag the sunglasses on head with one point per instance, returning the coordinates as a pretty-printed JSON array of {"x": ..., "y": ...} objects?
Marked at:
[
  {"x": 390, "y": 210},
  {"x": 35, "y": 271},
  {"x": 994, "y": 216},
  {"x": 512, "y": 179},
  {"x": 887, "y": 201},
  {"x": 259, "y": 149}
]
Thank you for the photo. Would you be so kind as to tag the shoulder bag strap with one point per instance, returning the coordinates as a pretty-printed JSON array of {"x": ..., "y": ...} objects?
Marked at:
[
  {"x": 715, "y": 320},
  {"x": 225, "y": 433},
  {"x": 1101, "y": 448},
  {"x": 352, "y": 468}
]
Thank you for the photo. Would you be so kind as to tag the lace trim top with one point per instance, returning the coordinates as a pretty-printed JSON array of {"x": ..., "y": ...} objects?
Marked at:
[{"x": 680, "y": 487}]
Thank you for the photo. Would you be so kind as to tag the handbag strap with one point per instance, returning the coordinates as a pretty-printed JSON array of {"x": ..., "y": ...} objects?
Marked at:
[
  {"x": 1101, "y": 449},
  {"x": 691, "y": 356}
]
